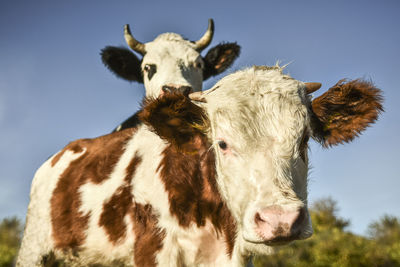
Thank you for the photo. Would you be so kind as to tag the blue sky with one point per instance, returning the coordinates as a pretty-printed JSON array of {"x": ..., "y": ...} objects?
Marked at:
[{"x": 54, "y": 88}]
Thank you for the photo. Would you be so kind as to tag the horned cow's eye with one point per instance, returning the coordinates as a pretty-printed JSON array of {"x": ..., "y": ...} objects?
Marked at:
[{"x": 150, "y": 70}]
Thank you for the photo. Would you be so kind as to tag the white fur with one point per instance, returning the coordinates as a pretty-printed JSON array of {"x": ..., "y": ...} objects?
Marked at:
[
  {"x": 176, "y": 60},
  {"x": 97, "y": 247},
  {"x": 261, "y": 114},
  {"x": 37, "y": 239}
]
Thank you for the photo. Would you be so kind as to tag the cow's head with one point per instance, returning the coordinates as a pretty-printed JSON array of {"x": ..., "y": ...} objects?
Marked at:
[
  {"x": 259, "y": 122},
  {"x": 170, "y": 62}
]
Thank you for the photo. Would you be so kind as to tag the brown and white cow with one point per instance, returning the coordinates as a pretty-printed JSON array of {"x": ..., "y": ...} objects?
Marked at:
[
  {"x": 202, "y": 182},
  {"x": 169, "y": 63}
]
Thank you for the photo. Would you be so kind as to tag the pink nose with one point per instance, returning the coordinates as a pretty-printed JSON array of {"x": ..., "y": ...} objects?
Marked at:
[{"x": 274, "y": 224}]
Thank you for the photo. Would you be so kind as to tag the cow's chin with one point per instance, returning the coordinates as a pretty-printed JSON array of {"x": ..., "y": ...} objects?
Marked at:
[{"x": 252, "y": 242}]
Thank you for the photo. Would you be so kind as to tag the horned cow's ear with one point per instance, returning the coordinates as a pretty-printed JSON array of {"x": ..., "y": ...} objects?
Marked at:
[
  {"x": 123, "y": 63},
  {"x": 173, "y": 117},
  {"x": 344, "y": 111},
  {"x": 219, "y": 58}
]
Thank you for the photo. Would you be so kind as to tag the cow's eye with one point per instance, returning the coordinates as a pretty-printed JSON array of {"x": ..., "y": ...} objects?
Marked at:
[
  {"x": 150, "y": 69},
  {"x": 198, "y": 65},
  {"x": 222, "y": 145}
]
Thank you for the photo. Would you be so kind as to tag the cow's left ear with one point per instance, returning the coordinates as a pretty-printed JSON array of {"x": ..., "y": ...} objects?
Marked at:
[
  {"x": 344, "y": 111},
  {"x": 173, "y": 117},
  {"x": 219, "y": 58},
  {"x": 123, "y": 63}
]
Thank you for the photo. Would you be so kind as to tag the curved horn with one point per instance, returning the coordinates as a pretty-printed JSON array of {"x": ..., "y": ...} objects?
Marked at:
[
  {"x": 312, "y": 87},
  {"x": 205, "y": 40},
  {"x": 132, "y": 42}
]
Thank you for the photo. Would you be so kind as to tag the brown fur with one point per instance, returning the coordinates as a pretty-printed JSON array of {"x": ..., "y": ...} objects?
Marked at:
[
  {"x": 173, "y": 117},
  {"x": 344, "y": 111},
  {"x": 74, "y": 148},
  {"x": 188, "y": 166},
  {"x": 149, "y": 237},
  {"x": 95, "y": 165},
  {"x": 189, "y": 178},
  {"x": 119, "y": 205}
]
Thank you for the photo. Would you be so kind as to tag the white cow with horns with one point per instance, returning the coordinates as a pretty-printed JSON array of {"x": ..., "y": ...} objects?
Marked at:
[
  {"x": 203, "y": 181},
  {"x": 169, "y": 63}
]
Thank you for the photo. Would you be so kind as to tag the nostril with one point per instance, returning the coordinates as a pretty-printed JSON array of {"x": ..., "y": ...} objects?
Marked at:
[
  {"x": 186, "y": 90},
  {"x": 258, "y": 218},
  {"x": 167, "y": 89}
]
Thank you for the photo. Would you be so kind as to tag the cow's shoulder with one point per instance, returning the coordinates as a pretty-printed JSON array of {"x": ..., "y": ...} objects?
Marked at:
[{"x": 93, "y": 162}]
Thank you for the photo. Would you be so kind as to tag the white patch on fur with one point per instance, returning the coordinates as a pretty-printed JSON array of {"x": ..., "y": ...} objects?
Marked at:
[
  {"x": 37, "y": 239},
  {"x": 148, "y": 188},
  {"x": 147, "y": 185},
  {"x": 203, "y": 246},
  {"x": 97, "y": 247},
  {"x": 175, "y": 59}
]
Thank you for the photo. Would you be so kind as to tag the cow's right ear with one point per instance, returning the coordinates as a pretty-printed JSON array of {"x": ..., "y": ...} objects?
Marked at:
[
  {"x": 174, "y": 118},
  {"x": 219, "y": 58},
  {"x": 344, "y": 111},
  {"x": 123, "y": 63}
]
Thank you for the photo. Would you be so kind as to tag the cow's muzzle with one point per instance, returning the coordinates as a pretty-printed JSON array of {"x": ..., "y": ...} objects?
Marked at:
[
  {"x": 186, "y": 90},
  {"x": 275, "y": 226}
]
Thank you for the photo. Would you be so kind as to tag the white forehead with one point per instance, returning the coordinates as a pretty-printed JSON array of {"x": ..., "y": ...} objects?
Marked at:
[
  {"x": 258, "y": 102},
  {"x": 170, "y": 46}
]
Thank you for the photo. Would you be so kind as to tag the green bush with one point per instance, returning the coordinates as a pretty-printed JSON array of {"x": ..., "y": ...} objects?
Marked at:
[{"x": 10, "y": 238}]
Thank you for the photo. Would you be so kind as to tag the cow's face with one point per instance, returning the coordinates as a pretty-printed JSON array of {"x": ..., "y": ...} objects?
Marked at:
[
  {"x": 259, "y": 134},
  {"x": 260, "y": 122},
  {"x": 171, "y": 63}
]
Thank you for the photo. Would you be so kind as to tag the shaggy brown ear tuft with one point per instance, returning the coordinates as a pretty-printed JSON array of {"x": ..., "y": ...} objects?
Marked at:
[
  {"x": 344, "y": 111},
  {"x": 173, "y": 117}
]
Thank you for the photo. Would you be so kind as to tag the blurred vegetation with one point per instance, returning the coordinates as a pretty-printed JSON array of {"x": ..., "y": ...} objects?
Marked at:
[
  {"x": 330, "y": 245},
  {"x": 10, "y": 236}
]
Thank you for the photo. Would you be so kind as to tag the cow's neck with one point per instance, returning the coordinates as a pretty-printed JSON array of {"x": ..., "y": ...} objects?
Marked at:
[{"x": 189, "y": 176}]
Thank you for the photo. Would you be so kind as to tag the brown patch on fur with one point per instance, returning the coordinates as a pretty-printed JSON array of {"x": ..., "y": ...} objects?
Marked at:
[
  {"x": 74, "y": 148},
  {"x": 173, "y": 117},
  {"x": 188, "y": 167},
  {"x": 95, "y": 165},
  {"x": 119, "y": 205},
  {"x": 189, "y": 179},
  {"x": 344, "y": 111},
  {"x": 149, "y": 237}
]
